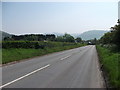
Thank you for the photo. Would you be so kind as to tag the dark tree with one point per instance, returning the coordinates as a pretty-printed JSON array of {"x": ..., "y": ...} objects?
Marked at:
[{"x": 78, "y": 39}]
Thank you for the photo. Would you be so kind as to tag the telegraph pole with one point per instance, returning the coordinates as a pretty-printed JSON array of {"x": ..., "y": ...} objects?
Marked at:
[{"x": 119, "y": 12}]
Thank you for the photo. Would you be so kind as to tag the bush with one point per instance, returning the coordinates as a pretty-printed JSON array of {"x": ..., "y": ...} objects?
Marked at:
[
  {"x": 23, "y": 44},
  {"x": 34, "y": 44}
]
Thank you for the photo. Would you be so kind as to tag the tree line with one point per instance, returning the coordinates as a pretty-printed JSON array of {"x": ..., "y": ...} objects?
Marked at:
[
  {"x": 30, "y": 37},
  {"x": 41, "y": 37},
  {"x": 112, "y": 37}
]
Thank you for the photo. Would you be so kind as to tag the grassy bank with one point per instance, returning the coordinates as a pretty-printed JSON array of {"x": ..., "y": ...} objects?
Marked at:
[
  {"x": 111, "y": 66},
  {"x": 15, "y": 54}
]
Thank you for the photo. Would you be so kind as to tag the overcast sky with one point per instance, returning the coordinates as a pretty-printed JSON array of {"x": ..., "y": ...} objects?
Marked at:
[{"x": 61, "y": 17}]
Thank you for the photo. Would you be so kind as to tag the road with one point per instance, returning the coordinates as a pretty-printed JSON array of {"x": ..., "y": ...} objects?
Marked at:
[{"x": 75, "y": 68}]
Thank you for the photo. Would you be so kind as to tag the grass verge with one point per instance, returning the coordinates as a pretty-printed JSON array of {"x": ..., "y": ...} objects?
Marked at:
[
  {"x": 111, "y": 66},
  {"x": 16, "y": 54}
]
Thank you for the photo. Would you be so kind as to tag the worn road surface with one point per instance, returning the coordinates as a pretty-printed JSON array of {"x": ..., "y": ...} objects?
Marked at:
[{"x": 75, "y": 68}]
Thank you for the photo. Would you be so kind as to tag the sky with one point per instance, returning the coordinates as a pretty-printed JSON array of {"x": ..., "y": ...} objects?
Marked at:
[{"x": 60, "y": 17}]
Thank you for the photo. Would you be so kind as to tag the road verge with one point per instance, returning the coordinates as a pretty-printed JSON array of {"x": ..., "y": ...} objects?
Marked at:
[{"x": 110, "y": 66}]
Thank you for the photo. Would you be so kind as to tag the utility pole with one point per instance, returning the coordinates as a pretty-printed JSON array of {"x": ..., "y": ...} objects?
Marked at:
[{"x": 118, "y": 13}]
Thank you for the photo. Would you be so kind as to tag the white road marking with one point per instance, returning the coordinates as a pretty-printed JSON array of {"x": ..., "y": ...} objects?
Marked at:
[
  {"x": 24, "y": 76},
  {"x": 65, "y": 57}
]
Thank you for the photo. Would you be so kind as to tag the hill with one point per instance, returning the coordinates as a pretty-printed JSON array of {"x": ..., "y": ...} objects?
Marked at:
[
  {"x": 87, "y": 35},
  {"x": 4, "y": 34},
  {"x": 92, "y": 34}
]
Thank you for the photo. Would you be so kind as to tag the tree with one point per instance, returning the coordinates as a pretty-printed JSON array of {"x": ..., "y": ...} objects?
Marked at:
[
  {"x": 68, "y": 38},
  {"x": 78, "y": 39},
  {"x": 50, "y": 37},
  {"x": 94, "y": 41},
  {"x": 65, "y": 38},
  {"x": 116, "y": 33},
  {"x": 107, "y": 38},
  {"x": 112, "y": 37},
  {"x": 41, "y": 37},
  {"x": 7, "y": 39},
  {"x": 60, "y": 38}
]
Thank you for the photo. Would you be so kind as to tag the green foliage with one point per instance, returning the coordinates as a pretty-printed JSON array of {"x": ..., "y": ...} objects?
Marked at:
[
  {"x": 112, "y": 37},
  {"x": 13, "y": 54},
  {"x": 34, "y": 44},
  {"x": 59, "y": 39},
  {"x": 110, "y": 55},
  {"x": 22, "y": 44},
  {"x": 31, "y": 37},
  {"x": 65, "y": 38},
  {"x": 68, "y": 38},
  {"x": 116, "y": 36},
  {"x": 111, "y": 65},
  {"x": 78, "y": 39},
  {"x": 16, "y": 54},
  {"x": 107, "y": 38}
]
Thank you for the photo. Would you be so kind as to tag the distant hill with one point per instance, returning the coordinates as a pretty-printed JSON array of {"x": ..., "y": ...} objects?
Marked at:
[
  {"x": 85, "y": 35},
  {"x": 58, "y": 34},
  {"x": 4, "y": 34},
  {"x": 92, "y": 34}
]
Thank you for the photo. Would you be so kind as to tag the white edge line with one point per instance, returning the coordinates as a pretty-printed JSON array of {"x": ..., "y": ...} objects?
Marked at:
[{"x": 24, "y": 76}]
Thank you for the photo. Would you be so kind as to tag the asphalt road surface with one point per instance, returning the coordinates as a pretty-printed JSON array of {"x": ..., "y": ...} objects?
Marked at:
[{"x": 75, "y": 68}]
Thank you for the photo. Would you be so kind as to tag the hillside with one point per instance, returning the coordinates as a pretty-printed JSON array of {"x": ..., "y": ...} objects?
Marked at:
[
  {"x": 87, "y": 35},
  {"x": 4, "y": 34},
  {"x": 92, "y": 34}
]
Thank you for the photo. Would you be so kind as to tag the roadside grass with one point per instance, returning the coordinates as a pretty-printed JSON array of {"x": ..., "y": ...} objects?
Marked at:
[
  {"x": 16, "y": 54},
  {"x": 0, "y": 55},
  {"x": 111, "y": 65}
]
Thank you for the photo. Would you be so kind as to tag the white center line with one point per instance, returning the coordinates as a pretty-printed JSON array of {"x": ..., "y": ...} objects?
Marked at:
[
  {"x": 65, "y": 57},
  {"x": 24, "y": 76}
]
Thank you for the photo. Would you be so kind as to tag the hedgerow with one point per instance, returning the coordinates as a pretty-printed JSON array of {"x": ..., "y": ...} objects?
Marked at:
[{"x": 34, "y": 44}]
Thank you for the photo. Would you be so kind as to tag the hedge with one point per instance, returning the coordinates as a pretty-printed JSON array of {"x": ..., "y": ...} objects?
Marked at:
[{"x": 33, "y": 44}]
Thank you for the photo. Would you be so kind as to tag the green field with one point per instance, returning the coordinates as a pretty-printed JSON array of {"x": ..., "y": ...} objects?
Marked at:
[
  {"x": 111, "y": 65},
  {"x": 15, "y": 54}
]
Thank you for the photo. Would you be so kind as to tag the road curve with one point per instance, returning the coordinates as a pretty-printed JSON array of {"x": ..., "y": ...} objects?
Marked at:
[{"x": 75, "y": 68}]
